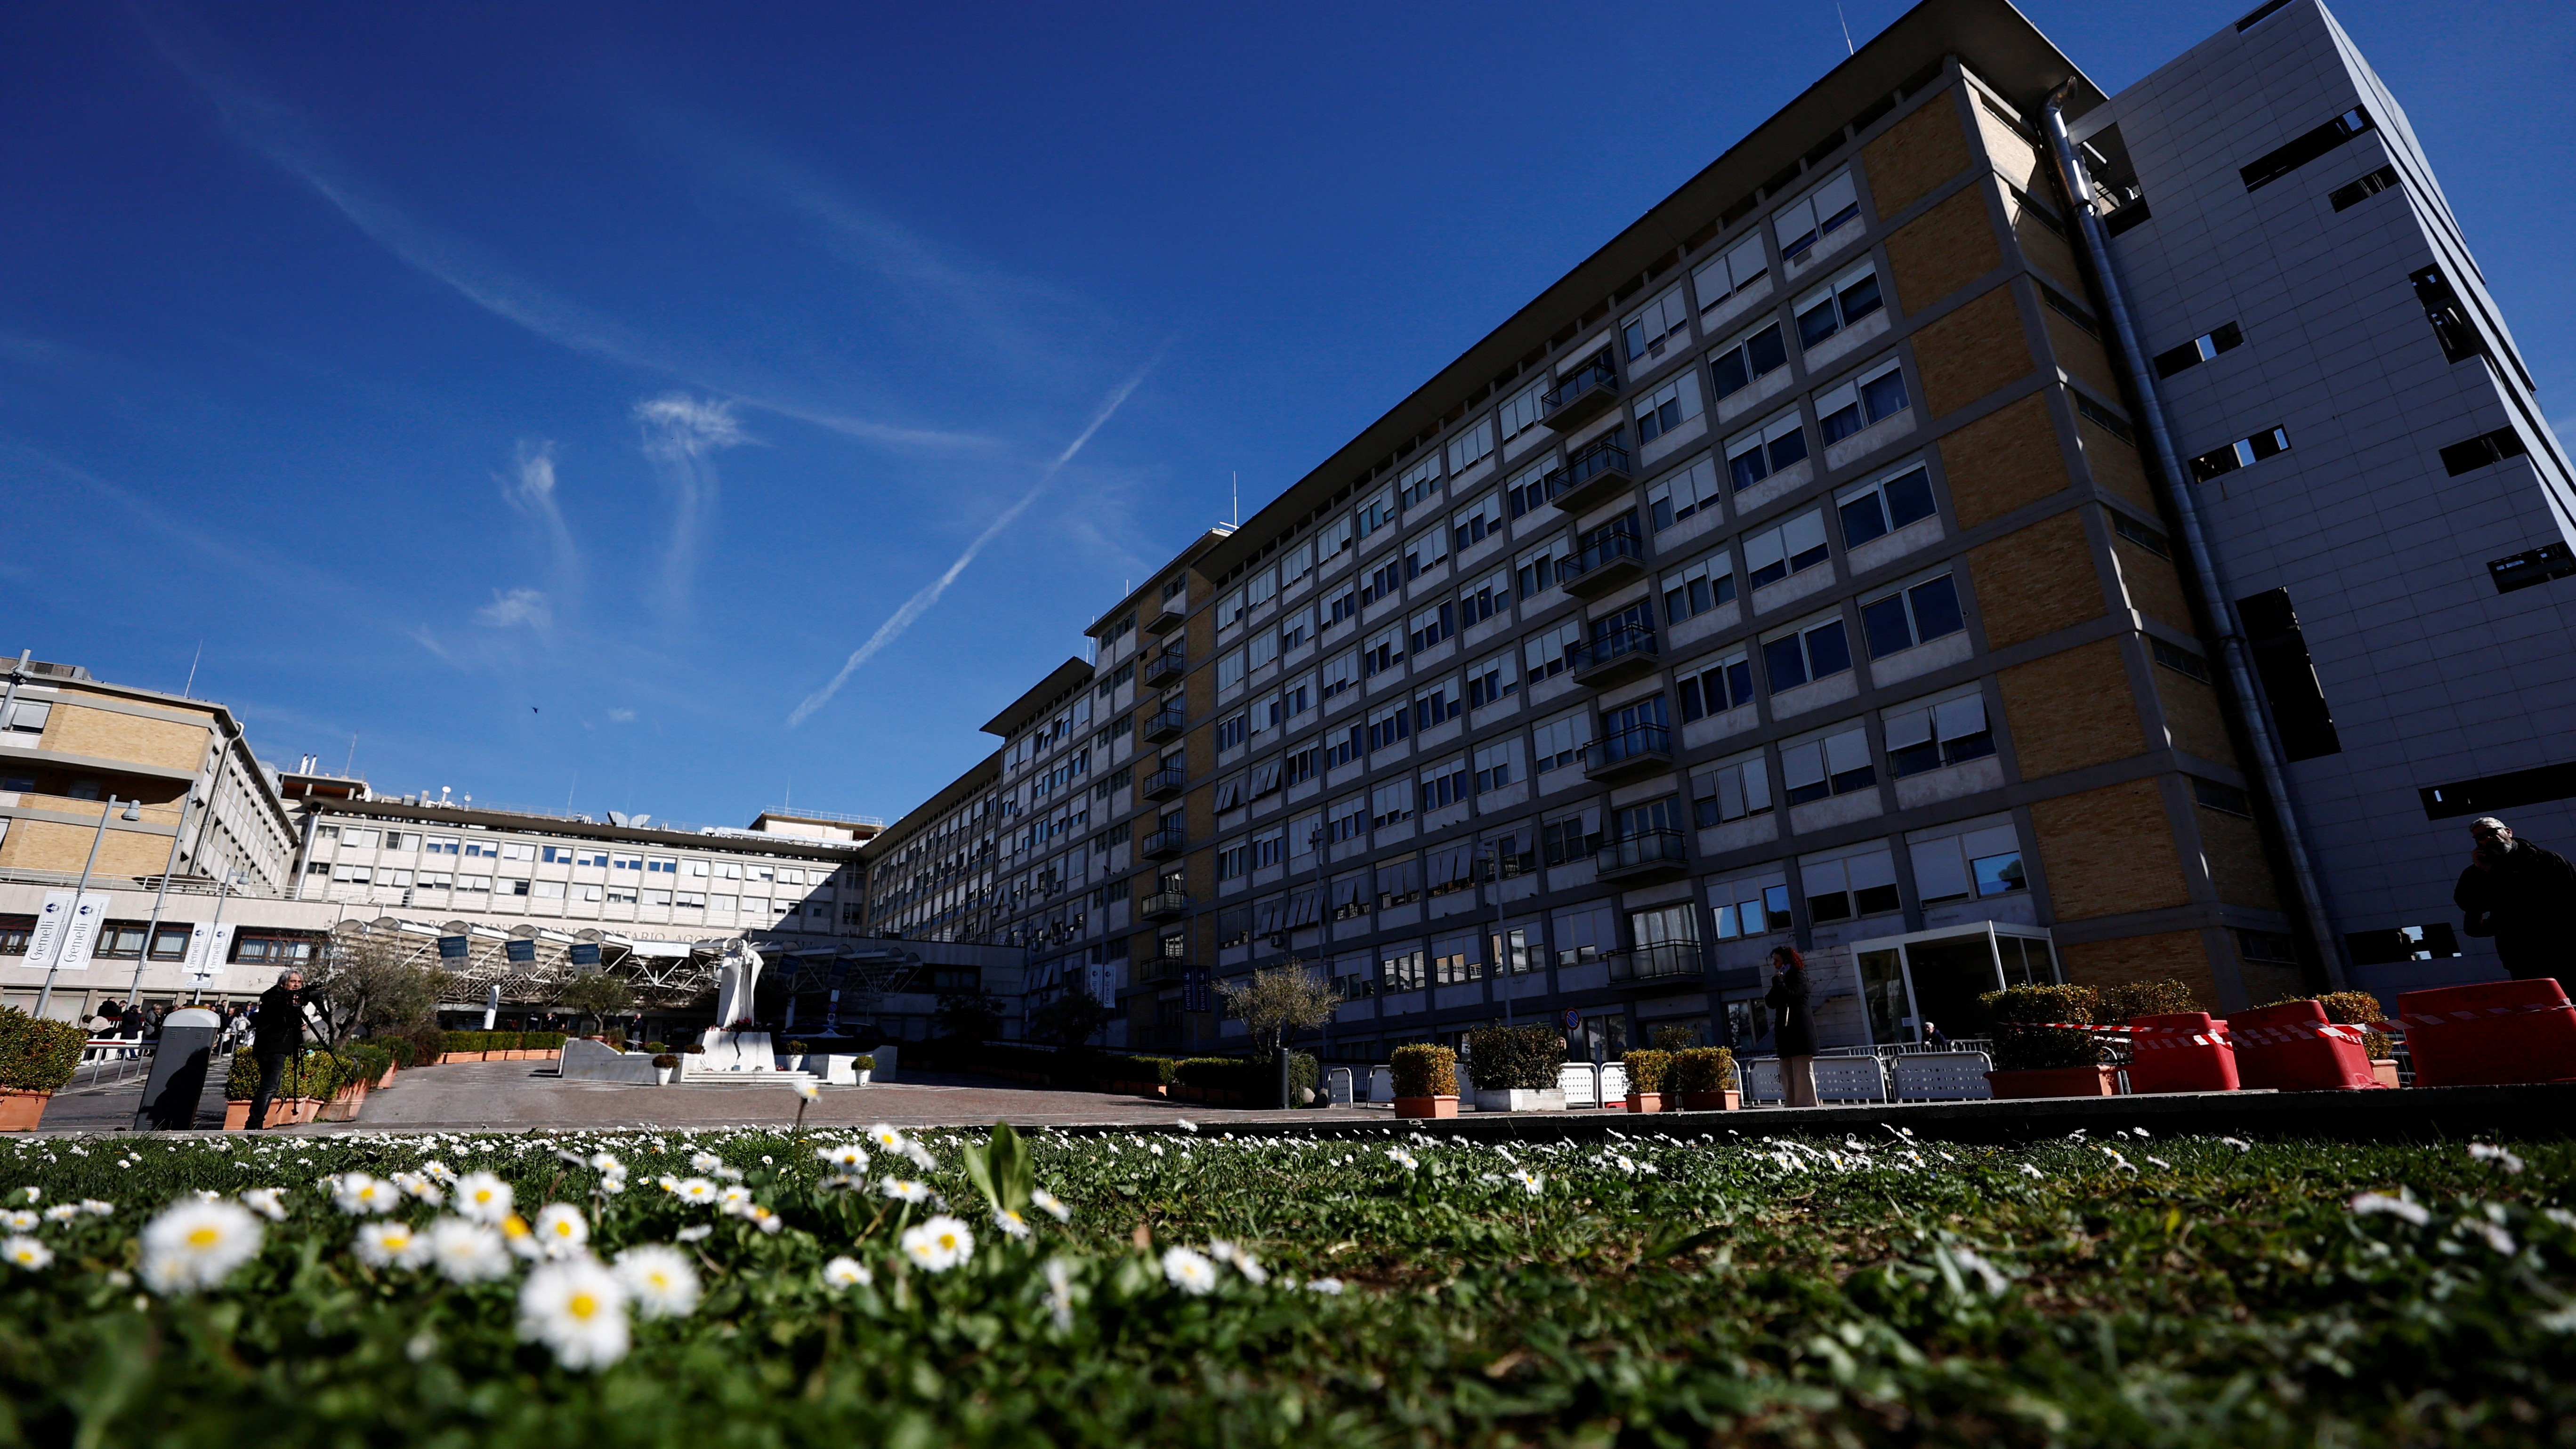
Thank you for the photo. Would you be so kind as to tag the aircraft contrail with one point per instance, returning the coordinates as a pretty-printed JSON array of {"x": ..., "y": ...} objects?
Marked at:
[{"x": 919, "y": 604}]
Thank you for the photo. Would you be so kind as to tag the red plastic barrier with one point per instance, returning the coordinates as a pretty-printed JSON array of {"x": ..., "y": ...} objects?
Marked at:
[
  {"x": 2490, "y": 1033},
  {"x": 2293, "y": 1048},
  {"x": 2184, "y": 1052}
]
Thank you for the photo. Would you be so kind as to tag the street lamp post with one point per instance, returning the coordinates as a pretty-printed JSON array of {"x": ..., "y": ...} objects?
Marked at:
[
  {"x": 1502, "y": 965},
  {"x": 133, "y": 811},
  {"x": 152, "y": 928},
  {"x": 215, "y": 930}
]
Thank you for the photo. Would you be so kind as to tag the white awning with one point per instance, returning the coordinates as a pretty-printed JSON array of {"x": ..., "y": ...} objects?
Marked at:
[{"x": 659, "y": 948}]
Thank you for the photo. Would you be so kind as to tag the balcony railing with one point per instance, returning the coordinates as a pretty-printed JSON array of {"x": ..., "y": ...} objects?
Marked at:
[
  {"x": 1646, "y": 853},
  {"x": 1612, "y": 560},
  {"x": 1159, "y": 968},
  {"x": 1164, "y": 617},
  {"x": 1163, "y": 905},
  {"x": 1167, "y": 666},
  {"x": 1636, "y": 750},
  {"x": 1591, "y": 476},
  {"x": 1667, "y": 958},
  {"x": 1165, "y": 843},
  {"x": 1616, "y": 657},
  {"x": 1166, "y": 782},
  {"x": 1582, "y": 395},
  {"x": 1166, "y": 723}
]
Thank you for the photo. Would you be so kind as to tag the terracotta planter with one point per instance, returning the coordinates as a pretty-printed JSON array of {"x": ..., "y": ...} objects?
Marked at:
[
  {"x": 296, "y": 1110},
  {"x": 342, "y": 1108},
  {"x": 1645, "y": 1101},
  {"x": 236, "y": 1116},
  {"x": 21, "y": 1111},
  {"x": 2055, "y": 1082},
  {"x": 387, "y": 1079},
  {"x": 1725, "y": 1101},
  {"x": 1426, "y": 1106},
  {"x": 2385, "y": 1070}
]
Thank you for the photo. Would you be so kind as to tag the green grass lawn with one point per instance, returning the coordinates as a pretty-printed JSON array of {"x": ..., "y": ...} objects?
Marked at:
[{"x": 1373, "y": 1289}]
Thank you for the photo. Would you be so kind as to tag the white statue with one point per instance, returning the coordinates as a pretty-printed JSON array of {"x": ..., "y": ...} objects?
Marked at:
[{"x": 736, "y": 976}]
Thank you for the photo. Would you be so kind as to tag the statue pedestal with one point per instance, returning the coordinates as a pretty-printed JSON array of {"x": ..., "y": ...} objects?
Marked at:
[{"x": 732, "y": 1052}]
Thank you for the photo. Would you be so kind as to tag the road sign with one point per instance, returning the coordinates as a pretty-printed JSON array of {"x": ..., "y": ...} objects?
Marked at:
[{"x": 1573, "y": 1020}]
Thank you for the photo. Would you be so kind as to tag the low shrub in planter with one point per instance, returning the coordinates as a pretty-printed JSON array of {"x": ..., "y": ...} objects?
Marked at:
[
  {"x": 1515, "y": 1058},
  {"x": 2357, "y": 1008},
  {"x": 695, "y": 1049},
  {"x": 1150, "y": 1071},
  {"x": 665, "y": 1060},
  {"x": 657, "y": 1048},
  {"x": 796, "y": 1048},
  {"x": 37, "y": 1055},
  {"x": 400, "y": 1048},
  {"x": 428, "y": 1044},
  {"x": 2122, "y": 1000},
  {"x": 1703, "y": 1069},
  {"x": 1673, "y": 1037},
  {"x": 1305, "y": 1074},
  {"x": 1424, "y": 1071},
  {"x": 865, "y": 1064},
  {"x": 1647, "y": 1069},
  {"x": 1223, "y": 1074},
  {"x": 313, "y": 1074},
  {"x": 367, "y": 1060},
  {"x": 2022, "y": 1041}
]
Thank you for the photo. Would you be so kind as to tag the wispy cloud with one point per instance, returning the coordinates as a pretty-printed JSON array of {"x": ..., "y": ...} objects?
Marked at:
[
  {"x": 682, "y": 435},
  {"x": 529, "y": 489},
  {"x": 922, "y": 600},
  {"x": 621, "y": 716},
  {"x": 519, "y": 606}
]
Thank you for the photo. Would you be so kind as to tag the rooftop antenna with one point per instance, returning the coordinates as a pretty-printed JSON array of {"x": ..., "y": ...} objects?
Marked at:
[
  {"x": 350, "y": 763},
  {"x": 1238, "y": 499},
  {"x": 1846, "y": 24},
  {"x": 189, "y": 689},
  {"x": 568, "y": 789}
]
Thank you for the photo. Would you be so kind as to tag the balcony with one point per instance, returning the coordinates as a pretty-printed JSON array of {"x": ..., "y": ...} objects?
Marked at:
[
  {"x": 1615, "y": 658},
  {"x": 1166, "y": 723},
  {"x": 1591, "y": 476},
  {"x": 1164, "y": 844},
  {"x": 1612, "y": 560},
  {"x": 1165, "y": 783},
  {"x": 1648, "y": 855},
  {"x": 1583, "y": 395},
  {"x": 1166, "y": 616},
  {"x": 1164, "y": 905},
  {"x": 1159, "y": 968},
  {"x": 1665, "y": 958},
  {"x": 1636, "y": 750},
  {"x": 1166, "y": 667}
]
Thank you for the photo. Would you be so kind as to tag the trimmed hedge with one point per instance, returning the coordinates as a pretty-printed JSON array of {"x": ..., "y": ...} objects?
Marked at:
[
  {"x": 1647, "y": 1069},
  {"x": 2023, "y": 1043},
  {"x": 2351, "y": 1008},
  {"x": 313, "y": 1074},
  {"x": 1704, "y": 1069},
  {"x": 1523, "y": 1058},
  {"x": 1424, "y": 1071},
  {"x": 37, "y": 1055}
]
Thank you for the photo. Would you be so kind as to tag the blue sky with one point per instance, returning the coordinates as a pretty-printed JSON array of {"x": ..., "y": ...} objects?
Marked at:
[{"x": 555, "y": 397}]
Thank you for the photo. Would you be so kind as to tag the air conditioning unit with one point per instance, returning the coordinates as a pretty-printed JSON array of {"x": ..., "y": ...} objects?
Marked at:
[{"x": 58, "y": 671}]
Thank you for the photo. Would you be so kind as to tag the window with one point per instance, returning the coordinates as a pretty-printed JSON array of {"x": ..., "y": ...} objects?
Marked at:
[
  {"x": 1471, "y": 446},
  {"x": 1485, "y": 598},
  {"x": 1929, "y": 734},
  {"x": 1297, "y": 767},
  {"x": 2289, "y": 679},
  {"x": 1260, "y": 589},
  {"x": 1297, "y": 629},
  {"x": 1400, "y": 970},
  {"x": 1437, "y": 705},
  {"x": 2476, "y": 453},
  {"x": 1431, "y": 626},
  {"x": 1748, "y": 359},
  {"x": 1233, "y": 859},
  {"x": 1497, "y": 764},
  {"x": 1885, "y": 504},
  {"x": 1299, "y": 563},
  {"x": 1570, "y": 838},
  {"x": 1231, "y": 732},
  {"x": 446, "y": 845},
  {"x": 2221, "y": 797},
  {"x": 1477, "y": 521},
  {"x": 2152, "y": 540},
  {"x": 1296, "y": 699},
  {"x": 1547, "y": 653},
  {"x": 1535, "y": 569},
  {"x": 1229, "y": 669},
  {"x": 366, "y": 838},
  {"x": 1698, "y": 587},
  {"x": 28, "y": 716},
  {"x": 1418, "y": 482},
  {"x": 1234, "y": 927},
  {"x": 2246, "y": 452},
  {"x": 1528, "y": 489},
  {"x": 1584, "y": 934},
  {"x": 1757, "y": 453},
  {"x": 1561, "y": 740},
  {"x": 2280, "y": 161},
  {"x": 1952, "y": 863},
  {"x": 1838, "y": 304},
  {"x": 1229, "y": 610},
  {"x": 1375, "y": 514},
  {"x": 1491, "y": 678},
  {"x": 1343, "y": 746},
  {"x": 1383, "y": 650},
  {"x": 1859, "y": 884},
  {"x": 1667, "y": 408},
  {"x": 636, "y": 863},
  {"x": 1827, "y": 765},
  {"x": 1390, "y": 804},
  {"x": 1445, "y": 783},
  {"x": 651, "y": 898},
  {"x": 1262, "y": 650},
  {"x": 1816, "y": 217},
  {"x": 1333, "y": 537},
  {"x": 1681, "y": 493},
  {"x": 621, "y": 896},
  {"x": 1871, "y": 398},
  {"x": 1813, "y": 651},
  {"x": 1339, "y": 673},
  {"x": 1716, "y": 685},
  {"x": 1719, "y": 278},
  {"x": 2179, "y": 660},
  {"x": 1911, "y": 616},
  {"x": 1390, "y": 725},
  {"x": 1229, "y": 793},
  {"x": 1793, "y": 546},
  {"x": 1521, "y": 411},
  {"x": 1733, "y": 790},
  {"x": 1660, "y": 322}
]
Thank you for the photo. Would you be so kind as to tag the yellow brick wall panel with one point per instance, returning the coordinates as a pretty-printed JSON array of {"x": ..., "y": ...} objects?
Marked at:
[
  {"x": 2080, "y": 354},
  {"x": 2128, "y": 960},
  {"x": 2013, "y": 158},
  {"x": 2116, "y": 466},
  {"x": 2070, "y": 710},
  {"x": 2035, "y": 581},
  {"x": 1971, "y": 352},
  {"x": 2153, "y": 587},
  {"x": 2003, "y": 461},
  {"x": 2109, "y": 852},
  {"x": 1916, "y": 155},
  {"x": 2193, "y": 723},
  {"x": 1943, "y": 250},
  {"x": 111, "y": 735},
  {"x": 2239, "y": 870},
  {"x": 2048, "y": 251}
]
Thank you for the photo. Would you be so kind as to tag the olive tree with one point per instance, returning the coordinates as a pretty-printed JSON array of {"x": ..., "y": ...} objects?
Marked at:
[{"x": 1277, "y": 1000}]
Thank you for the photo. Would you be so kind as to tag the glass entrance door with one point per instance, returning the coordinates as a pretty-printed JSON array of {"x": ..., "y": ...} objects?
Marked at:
[{"x": 1948, "y": 977}]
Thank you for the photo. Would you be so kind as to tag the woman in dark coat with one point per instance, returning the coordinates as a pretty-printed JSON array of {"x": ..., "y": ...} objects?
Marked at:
[{"x": 1793, "y": 1009}]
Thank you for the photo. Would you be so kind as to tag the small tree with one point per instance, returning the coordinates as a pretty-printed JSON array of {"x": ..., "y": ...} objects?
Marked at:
[
  {"x": 372, "y": 986},
  {"x": 1070, "y": 1020},
  {"x": 970, "y": 1015},
  {"x": 1278, "y": 1000},
  {"x": 597, "y": 995}
]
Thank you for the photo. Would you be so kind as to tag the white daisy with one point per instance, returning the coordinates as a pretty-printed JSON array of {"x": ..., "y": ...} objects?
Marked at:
[
  {"x": 1241, "y": 1261},
  {"x": 562, "y": 1229},
  {"x": 520, "y": 1239},
  {"x": 846, "y": 1273},
  {"x": 762, "y": 1218},
  {"x": 391, "y": 1245},
  {"x": 939, "y": 1244},
  {"x": 704, "y": 1161},
  {"x": 356, "y": 1193},
  {"x": 1189, "y": 1270},
  {"x": 607, "y": 1162},
  {"x": 886, "y": 1138},
  {"x": 662, "y": 1280},
  {"x": 194, "y": 1245},
  {"x": 467, "y": 1252},
  {"x": 696, "y": 1190},
  {"x": 19, "y": 1220},
  {"x": 848, "y": 1156},
  {"x": 1059, "y": 1296},
  {"x": 37, "y": 1194},
  {"x": 62, "y": 1212},
  {"x": 731, "y": 1196},
  {"x": 1324, "y": 1285},
  {"x": 577, "y": 1309},
  {"x": 26, "y": 1253},
  {"x": 2402, "y": 1206},
  {"x": 808, "y": 1091},
  {"x": 1012, "y": 1224},
  {"x": 1053, "y": 1205},
  {"x": 484, "y": 1198},
  {"x": 905, "y": 1190},
  {"x": 695, "y": 1233},
  {"x": 1531, "y": 1182},
  {"x": 97, "y": 1209}
]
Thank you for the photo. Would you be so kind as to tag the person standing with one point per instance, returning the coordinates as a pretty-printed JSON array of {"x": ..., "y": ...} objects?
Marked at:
[
  {"x": 1792, "y": 1006},
  {"x": 2524, "y": 896},
  {"x": 277, "y": 1033}
]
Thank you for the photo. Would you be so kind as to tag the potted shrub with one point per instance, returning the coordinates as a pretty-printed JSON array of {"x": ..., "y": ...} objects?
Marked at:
[
  {"x": 865, "y": 1067},
  {"x": 1426, "y": 1081},
  {"x": 1516, "y": 1067},
  {"x": 37, "y": 1058},
  {"x": 1705, "y": 1079},
  {"x": 2360, "y": 1008},
  {"x": 2034, "y": 1057},
  {"x": 663, "y": 1065},
  {"x": 1646, "y": 1072}
]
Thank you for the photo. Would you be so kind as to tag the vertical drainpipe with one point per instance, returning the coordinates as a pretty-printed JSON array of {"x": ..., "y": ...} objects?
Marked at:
[{"x": 2268, "y": 759}]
